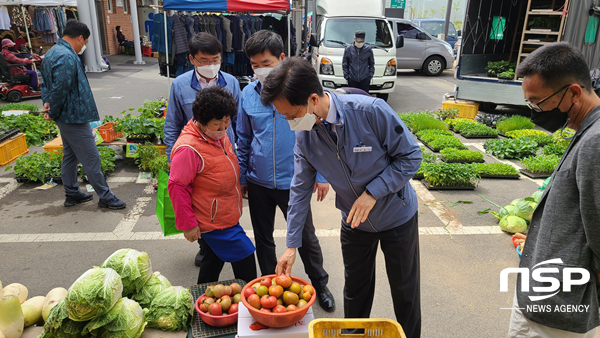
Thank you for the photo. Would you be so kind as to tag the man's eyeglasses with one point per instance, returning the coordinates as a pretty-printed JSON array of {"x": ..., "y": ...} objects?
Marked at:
[
  {"x": 536, "y": 106},
  {"x": 208, "y": 63}
]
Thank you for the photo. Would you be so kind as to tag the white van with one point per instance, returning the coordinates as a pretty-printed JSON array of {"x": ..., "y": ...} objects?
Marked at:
[{"x": 336, "y": 22}]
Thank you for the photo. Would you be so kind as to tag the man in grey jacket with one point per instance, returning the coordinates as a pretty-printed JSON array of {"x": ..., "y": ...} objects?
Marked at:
[
  {"x": 563, "y": 242},
  {"x": 358, "y": 63},
  {"x": 365, "y": 152}
]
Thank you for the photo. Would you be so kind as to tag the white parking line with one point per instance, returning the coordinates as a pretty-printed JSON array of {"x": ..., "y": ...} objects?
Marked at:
[
  {"x": 449, "y": 221},
  {"x": 157, "y": 235},
  {"x": 10, "y": 187}
]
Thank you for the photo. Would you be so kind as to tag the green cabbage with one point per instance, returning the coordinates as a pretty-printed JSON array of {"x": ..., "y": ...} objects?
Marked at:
[
  {"x": 537, "y": 196},
  {"x": 524, "y": 210},
  {"x": 513, "y": 224},
  {"x": 124, "y": 320},
  {"x": 155, "y": 285},
  {"x": 171, "y": 310},
  {"x": 58, "y": 324},
  {"x": 514, "y": 202},
  {"x": 508, "y": 210},
  {"x": 93, "y": 294},
  {"x": 134, "y": 268}
]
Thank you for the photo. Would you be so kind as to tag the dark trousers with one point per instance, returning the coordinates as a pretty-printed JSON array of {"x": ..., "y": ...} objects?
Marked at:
[
  {"x": 33, "y": 79},
  {"x": 79, "y": 146},
  {"x": 211, "y": 266},
  {"x": 363, "y": 84},
  {"x": 263, "y": 203},
  {"x": 400, "y": 247}
]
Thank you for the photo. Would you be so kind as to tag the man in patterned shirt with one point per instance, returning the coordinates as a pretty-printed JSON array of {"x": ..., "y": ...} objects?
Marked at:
[{"x": 69, "y": 101}]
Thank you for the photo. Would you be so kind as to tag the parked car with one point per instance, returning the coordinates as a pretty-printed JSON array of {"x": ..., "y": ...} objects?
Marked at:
[
  {"x": 421, "y": 51},
  {"x": 436, "y": 26}
]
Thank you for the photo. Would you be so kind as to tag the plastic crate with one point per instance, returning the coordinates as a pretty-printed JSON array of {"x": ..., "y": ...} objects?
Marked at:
[
  {"x": 373, "y": 327},
  {"x": 13, "y": 148},
  {"x": 54, "y": 145},
  {"x": 162, "y": 149},
  {"x": 108, "y": 133},
  {"x": 466, "y": 110}
]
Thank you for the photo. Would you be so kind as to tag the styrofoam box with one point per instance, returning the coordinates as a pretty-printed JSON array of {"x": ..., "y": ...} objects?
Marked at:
[{"x": 300, "y": 330}]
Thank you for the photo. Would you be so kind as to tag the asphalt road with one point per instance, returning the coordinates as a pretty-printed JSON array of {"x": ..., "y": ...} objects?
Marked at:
[{"x": 43, "y": 245}]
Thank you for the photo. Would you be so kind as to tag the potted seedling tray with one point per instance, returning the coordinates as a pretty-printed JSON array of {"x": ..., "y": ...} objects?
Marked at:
[
  {"x": 430, "y": 148},
  {"x": 534, "y": 175},
  {"x": 446, "y": 188},
  {"x": 8, "y": 134},
  {"x": 140, "y": 140},
  {"x": 418, "y": 177},
  {"x": 476, "y": 136},
  {"x": 501, "y": 177},
  {"x": 466, "y": 162},
  {"x": 199, "y": 328}
]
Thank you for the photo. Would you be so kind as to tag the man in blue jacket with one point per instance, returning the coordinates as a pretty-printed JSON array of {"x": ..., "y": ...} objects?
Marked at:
[
  {"x": 205, "y": 55},
  {"x": 69, "y": 101},
  {"x": 266, "y": 157},
  {"x": 358, "y": 63},
  {"x": 363, "y": 149}
]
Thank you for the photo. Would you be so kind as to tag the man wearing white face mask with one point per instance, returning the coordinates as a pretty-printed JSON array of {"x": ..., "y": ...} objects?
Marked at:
[
  {"x": 205, "y": 55},
  {"x": 358, "y": 63},
  {"x": 266, "y": 158},
  {"x": 365, "y": 152},
  {"x": 69, "y": 101}
]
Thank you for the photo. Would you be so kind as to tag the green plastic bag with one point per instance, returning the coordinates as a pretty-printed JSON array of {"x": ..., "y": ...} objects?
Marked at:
[{"x": 164, "y": 208}]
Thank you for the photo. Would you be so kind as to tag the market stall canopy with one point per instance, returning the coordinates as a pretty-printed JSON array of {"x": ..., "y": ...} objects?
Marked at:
[
  {"x": 49, "y": 3},
  {"x": 225, "y": 5},
  {"x": 9, "y": 2}
]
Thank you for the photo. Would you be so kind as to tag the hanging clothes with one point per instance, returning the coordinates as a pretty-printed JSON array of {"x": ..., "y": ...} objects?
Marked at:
[
  {"x": 180, "y": 35},
  {"x": 158, "y": 34},
  {"x": 17, "y": 17},
  {"x": 4, "y": 19}
]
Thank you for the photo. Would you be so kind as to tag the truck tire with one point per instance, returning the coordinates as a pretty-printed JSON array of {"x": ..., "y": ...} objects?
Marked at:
[
  {"x": 434, "y": 66},
  {"x": 487, "y": 107}
]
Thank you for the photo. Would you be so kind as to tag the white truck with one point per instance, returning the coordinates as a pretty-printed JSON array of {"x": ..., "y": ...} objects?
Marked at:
[
  {"x": 501, "y": 30},
  {"x": 333, "y": 30}
]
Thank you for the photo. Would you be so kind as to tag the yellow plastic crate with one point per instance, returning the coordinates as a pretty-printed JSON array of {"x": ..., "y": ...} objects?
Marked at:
[
  {"x": 374, "y": 327},
  {"x": 54, "y": 145},
  {"x": 466, "y": 110},
  {"x": 13, "y": 148}
]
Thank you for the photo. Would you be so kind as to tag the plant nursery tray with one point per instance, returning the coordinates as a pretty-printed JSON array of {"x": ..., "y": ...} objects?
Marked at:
[
  {"x": 500, "y": 134},
  {"x": 446, "y": 188},
  {"x": 199, "y": 328},
  {"x": 532, "y": 175},
  {"x": 430, "y": 148},
  {"x": 502, "y": 177},
  {"x": 464, "y": 162},
  {"x": 475, "y": 137},
  {"x": 418, "y": 177},
  {"x": 8, "y": 134},
  {"x": 139, "y": 139},
  {"x": 21, "y": 179}
]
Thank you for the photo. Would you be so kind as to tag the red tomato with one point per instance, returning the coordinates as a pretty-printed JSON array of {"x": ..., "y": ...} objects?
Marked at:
[
  {"x": 249, "y": 292},
  {"x": 235, "y": 288},
  {"x": 233, "y": 309},
  {"x": 268, "y": 302},
  {"x": 292, "y": 308},
  {"x": 215, "y": 309},
  {"x": 280, "y": 309},
  {"x": 276, "y": 290},
  {"x": 290, "y": 298},
  {"x": 266, "y": 281},
  {"x": 265, "y": 310},
  {"x": 284, "y": 280},
  {"x": 254, "y": 301}
]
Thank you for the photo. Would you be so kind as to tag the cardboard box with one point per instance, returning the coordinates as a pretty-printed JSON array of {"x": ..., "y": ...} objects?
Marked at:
[{"x": 300, "y": 330}]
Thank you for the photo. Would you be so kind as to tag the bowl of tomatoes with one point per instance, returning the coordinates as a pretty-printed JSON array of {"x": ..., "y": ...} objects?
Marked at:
[
  {"x": 278, "y": 301},
  {"x": 218, "y": 306}
]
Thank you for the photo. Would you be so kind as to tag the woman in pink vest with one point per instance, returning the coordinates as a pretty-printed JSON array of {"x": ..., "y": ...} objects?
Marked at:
[{"x": 205, "y": 190}]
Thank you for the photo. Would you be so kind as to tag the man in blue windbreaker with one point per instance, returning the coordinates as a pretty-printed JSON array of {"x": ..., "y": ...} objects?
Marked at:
[
  {"x": 365, "y": 152},
  {"x": 266, "y": 158}
]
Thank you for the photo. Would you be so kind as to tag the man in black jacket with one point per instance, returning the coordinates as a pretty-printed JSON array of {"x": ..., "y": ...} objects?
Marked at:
[{"x": 358, "y": 63}]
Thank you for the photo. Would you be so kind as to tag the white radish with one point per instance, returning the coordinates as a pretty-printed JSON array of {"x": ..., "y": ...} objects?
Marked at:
[
  {"x": 52, "y": 298},
  {"x": 11, "y": 317},
  {"x": 32, "y": 310},
  {"x": 16, "y": 289}
]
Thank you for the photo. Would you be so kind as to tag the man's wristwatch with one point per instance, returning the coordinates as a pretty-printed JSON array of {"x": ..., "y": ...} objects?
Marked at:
[{"x": 368, "y": 192}]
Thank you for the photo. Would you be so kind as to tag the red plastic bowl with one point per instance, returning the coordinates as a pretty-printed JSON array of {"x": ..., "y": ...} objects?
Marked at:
[
  {"x": 278, "y": 319},
  {"x": 216, "y": 321}
]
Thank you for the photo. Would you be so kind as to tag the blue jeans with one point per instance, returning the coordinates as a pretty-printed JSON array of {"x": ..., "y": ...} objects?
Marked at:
[{"x": 79, "y": 146}]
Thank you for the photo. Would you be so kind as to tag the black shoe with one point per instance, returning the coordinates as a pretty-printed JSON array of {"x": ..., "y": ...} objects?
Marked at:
[
  {"x": 71, "y": 201},
  {"x": 199, "y": 257},
  {"x": 326, "y": 299},
  {"x": 116, "y": 204}
]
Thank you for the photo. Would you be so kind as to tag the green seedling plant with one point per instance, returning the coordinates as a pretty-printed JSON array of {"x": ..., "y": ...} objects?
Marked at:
[
  {"x": 510, "y": 148},
  {"x": 560, "y": 136},
  {"x": 543, "y": 164},
  {"x": 515, "y": 122},
  {"x": 451, "y": 155},
  {"x": 443, "y": 142},
  {"x": 495, "y": 169},
  {"x": 474, "y": 130},
  {"x": 450, "y": 175},
  {"x": 37, "y": 130},
  {"x": 422, "y": 121},
  {"x": 554, "y": 149},
  {"x": 145, "y": 155},
  {"x": 37, "y": 167}
]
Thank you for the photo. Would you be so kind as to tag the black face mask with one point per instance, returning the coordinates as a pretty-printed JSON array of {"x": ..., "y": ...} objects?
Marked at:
[{"x": 551, "y": 120}]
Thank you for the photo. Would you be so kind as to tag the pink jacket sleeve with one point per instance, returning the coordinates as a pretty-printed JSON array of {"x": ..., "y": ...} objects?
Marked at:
[{"x": 184, "y": 166}]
